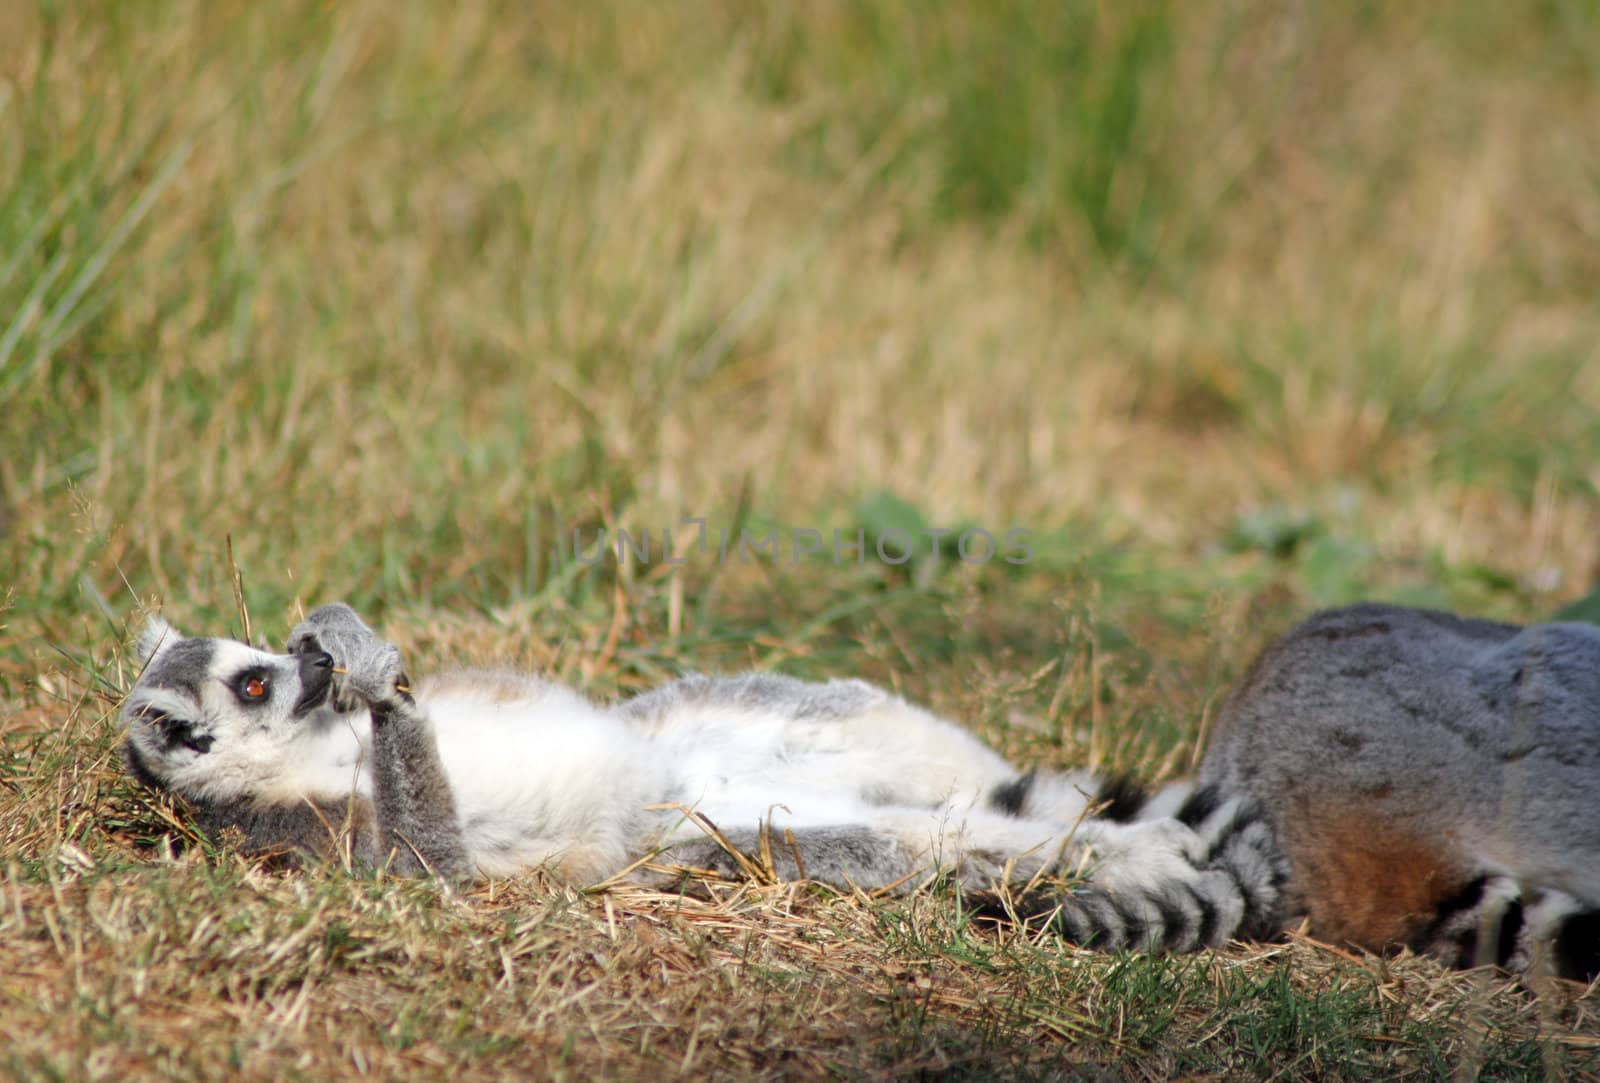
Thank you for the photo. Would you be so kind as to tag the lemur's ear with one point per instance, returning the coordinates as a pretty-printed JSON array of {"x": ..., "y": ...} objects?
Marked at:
[
  {"x": 168, "y": 724},
  {"x": 156, "y": 636}
]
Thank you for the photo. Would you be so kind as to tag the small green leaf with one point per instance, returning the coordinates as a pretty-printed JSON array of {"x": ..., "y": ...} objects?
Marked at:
[{"x": 883, "y": 512}]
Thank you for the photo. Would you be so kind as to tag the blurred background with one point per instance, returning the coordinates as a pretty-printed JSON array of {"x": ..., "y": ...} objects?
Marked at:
[{"x": 1237, "y": 309}]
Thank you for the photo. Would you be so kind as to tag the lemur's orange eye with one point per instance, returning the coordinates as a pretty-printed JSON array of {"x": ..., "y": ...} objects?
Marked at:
[{"x": 255, "y": 687}]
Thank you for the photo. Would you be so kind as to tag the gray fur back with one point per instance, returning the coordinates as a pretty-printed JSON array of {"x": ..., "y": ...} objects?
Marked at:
[
  {"x": 1429, "y": 780},
  {"x": 1485, "y": 730}
]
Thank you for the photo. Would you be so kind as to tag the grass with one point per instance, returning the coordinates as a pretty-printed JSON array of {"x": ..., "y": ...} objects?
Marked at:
[{"x": 1236, "y": 312}]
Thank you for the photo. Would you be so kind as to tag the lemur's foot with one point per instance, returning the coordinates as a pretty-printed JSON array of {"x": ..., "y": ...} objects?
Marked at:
[{"x": 367, "y": 670}]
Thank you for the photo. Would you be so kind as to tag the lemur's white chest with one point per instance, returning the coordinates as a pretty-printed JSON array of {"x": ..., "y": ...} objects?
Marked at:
[{"x": 546, "y": 778}]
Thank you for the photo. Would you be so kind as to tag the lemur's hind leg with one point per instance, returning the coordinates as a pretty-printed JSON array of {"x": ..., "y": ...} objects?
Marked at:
[
  {"x": 417, "y": 827},
  {"x": 846, "y": 855}
]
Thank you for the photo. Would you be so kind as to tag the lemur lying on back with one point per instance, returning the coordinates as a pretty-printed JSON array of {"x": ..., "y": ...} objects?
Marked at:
[{"x": 1398, "y": 776}]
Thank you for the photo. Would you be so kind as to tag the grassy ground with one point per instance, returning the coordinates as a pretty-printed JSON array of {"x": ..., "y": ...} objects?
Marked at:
[{"x": 1235, "y": 310}]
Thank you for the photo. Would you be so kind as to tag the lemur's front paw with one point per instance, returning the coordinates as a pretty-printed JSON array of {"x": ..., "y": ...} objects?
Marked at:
[{"x": 367, "y": 669}]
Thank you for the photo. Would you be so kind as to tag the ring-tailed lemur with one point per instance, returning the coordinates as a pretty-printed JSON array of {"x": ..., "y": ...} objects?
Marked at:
[{"x": 1399, "y": 776}]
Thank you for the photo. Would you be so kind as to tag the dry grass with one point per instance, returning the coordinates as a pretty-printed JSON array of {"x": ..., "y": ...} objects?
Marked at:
[
  {"x": 1237, "y": 311},
  {"x": 135, "y": 949}
]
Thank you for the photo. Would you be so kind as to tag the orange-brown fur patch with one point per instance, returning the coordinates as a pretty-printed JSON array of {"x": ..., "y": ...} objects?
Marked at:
[{"x": 1367, "y": 878}]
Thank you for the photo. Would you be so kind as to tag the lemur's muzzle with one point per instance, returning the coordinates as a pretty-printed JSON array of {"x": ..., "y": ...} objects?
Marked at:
[{"x": 316, "y": 678}]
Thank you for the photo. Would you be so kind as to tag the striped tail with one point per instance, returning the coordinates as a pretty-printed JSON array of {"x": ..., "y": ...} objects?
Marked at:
[
  {"x": 1232, "y": 885},
  {"x": 1495, "y": 920}
]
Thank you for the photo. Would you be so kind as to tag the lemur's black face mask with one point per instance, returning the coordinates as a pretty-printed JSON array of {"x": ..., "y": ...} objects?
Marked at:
[{"x": 316, "y": 678}]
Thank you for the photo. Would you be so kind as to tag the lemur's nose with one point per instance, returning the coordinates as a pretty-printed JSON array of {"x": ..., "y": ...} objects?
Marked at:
[{"x": 316, "y": 677}]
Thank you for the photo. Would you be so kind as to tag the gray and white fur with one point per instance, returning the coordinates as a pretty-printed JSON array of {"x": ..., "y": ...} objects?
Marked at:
[{"x": 1401, "y": 777}]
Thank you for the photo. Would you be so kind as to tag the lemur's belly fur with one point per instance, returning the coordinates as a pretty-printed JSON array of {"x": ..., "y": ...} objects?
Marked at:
[{"x": 734, "y": 764}]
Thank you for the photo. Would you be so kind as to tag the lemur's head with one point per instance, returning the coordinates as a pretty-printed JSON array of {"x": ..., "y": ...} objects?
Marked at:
[{"x": 213, "y": 719}]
